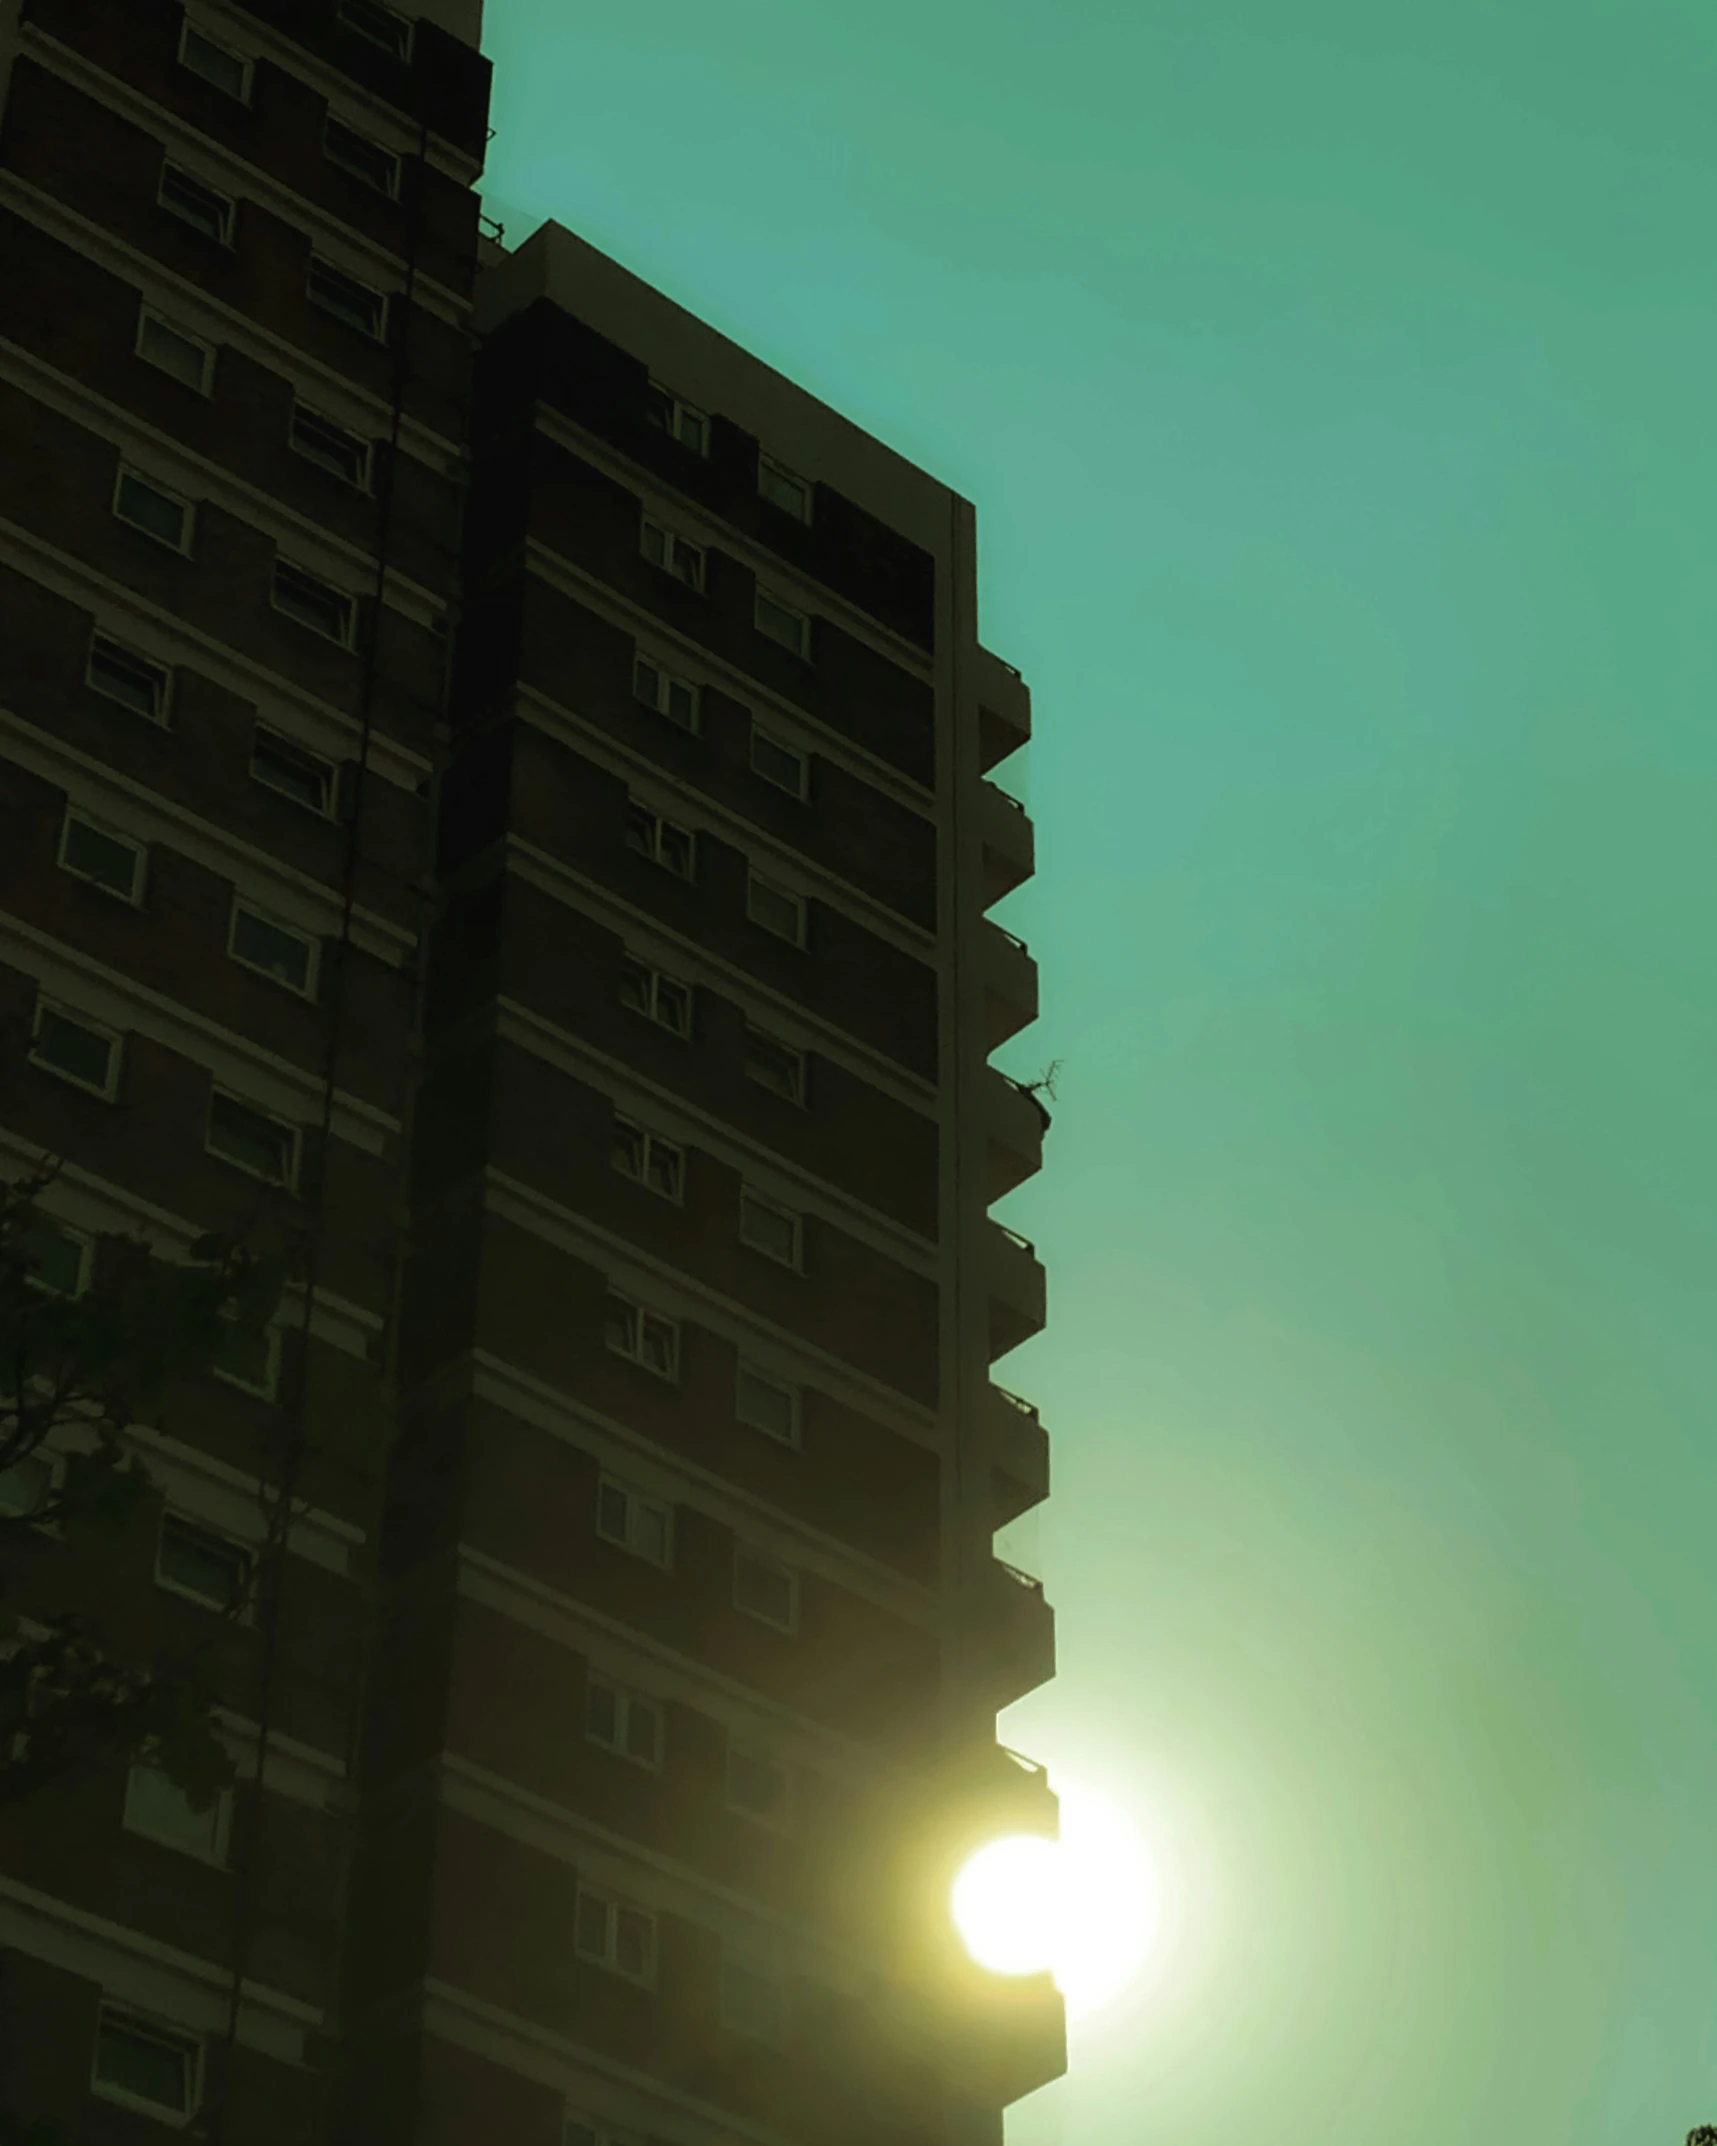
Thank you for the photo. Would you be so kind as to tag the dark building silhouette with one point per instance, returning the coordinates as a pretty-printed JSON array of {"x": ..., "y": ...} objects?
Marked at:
[{"x": 493, "y": 785}]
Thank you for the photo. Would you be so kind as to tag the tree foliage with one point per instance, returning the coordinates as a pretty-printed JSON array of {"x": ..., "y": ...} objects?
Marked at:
[{"x": 79, "y": 1372}]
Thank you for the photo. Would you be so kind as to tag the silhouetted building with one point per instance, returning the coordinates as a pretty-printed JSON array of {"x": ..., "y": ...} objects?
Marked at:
[{"x": 492, "y": 784}]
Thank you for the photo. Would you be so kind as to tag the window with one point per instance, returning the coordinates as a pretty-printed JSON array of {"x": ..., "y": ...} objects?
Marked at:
[
  {"x": 780, "y": 622},
  {"x": 313, "y": 603},
  {"x": 644, "y": 1336},
  {"x": 288, "y": 768},
  {"x": 249, "y": 1360},
  {"x": 673, "y": 554},
  {"x": 106, "y": 860},
  {"x": 357, "y": 304},
  {"x": 76, "y": 1049},
  {"x": 778, "y": 484},
  {"x": 162, "y": 1812},
  {"x": 200, "y": 1564},
  {"x": 676, "y": 698},
  {"x": 678, "y": 419},
  {"x": 378, "y": 25},
  {"x": 26, "y": 1485},
  {"x": 774, "y": 1064},
  {"x": 766, "y": 1404},
  {"x": 171, "y": 350},
  {"x": 58, "y": 1260},
  {"x": 273, "y": 950},
  {"x": 768, "y": 1228},
  {"x": 363, "y": 158},
  {"x": 624, "y": 1722},
  {"x": 613, "y": 1934},
  {"x": 160, "y": 514},
  {"x": 146, "y": 2066},
  {"x": 660, "y": 1164},
  {"x": 331, "y": 447},
  {"x": 645, "y": 1526},
  {"x": 778, "y": 763},
  {"x": 226, "y": 70},
  {"x": 198, "y": 205},
  {"x": 646, "y": 990},
  {"x": 777, "y": 908},
  {"x": 673, "y": 848},
  {"x": 753, "y": 2003},
  {"x": 765, "y": 1590},
  {"x": 119, "y": 673},
  {"x": 252, "y": 1140},
  {"x": 759, "y": 1787}
]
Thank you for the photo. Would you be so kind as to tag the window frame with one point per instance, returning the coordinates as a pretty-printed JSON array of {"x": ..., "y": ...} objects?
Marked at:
[
  {"x": 319, "y": 262},
  {"x": 348, "y": 640},
  {"x": 668, "y": 680},
  {"x": 609, "y": 1958},
  {"x": 757, "y": 881},
  {"x": 769, "y": 465},
  {"x": 388, "y": 190},
  {"x": 261, "y": 731},
  {"x": 191, "y": 1523},
  {"x": 187, "y": 528},
  {"x": 636, "y": 1501},
  {"x": 294, "y": 1133},
  {"x": 241, "y": 903},
  {"x": 366, "y": 448},
  {"x": 133, "y": 897},
  {"x": 151, "y": 316},
  {"x": 800, "y": 790},
  {"x": 347, "y": 15},
  {"x": 752, "y": 1197},
  {"x": 651, "y": 1141},
  {"x": 743, "y": 1553},
  {"x": 776, "y": 1822},
  {"x": 801, "y": 1090},
  {"x": 190, "y": 28},
  {"x": 744, "y": 1368},
  {"x": 627, "y": 1702},
  {"x": 657, "y": 978},
  {"x": 672, "y": 546},
  {"x": 677, "y": 408},
  {"x": 215, "y": 1855},
  {"x": 55, "y": 1467},
  {"x": 115, "y": 1039},
  {"x": 272, "y": 1348},
  {"x": 143, "y": 2026},
  {"x": 229, "y": 218},
  {"x": 659, "y": 828},
  {"x": 67, "y": 1234},
  {"x": 801, "y": 648},
  {"x": 639, "y": 1314},
  {"x": 162, "y": 720}
]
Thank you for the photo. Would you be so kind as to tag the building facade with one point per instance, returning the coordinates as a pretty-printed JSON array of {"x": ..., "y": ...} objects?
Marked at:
[{"x": 493, "y": 790}]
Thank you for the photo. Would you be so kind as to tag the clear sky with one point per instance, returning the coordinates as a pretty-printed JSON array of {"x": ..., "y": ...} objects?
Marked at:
[{"x": 1335, "y": 384}]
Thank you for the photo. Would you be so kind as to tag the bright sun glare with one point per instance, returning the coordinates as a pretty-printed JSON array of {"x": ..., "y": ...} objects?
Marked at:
[{"x": 1085, "y": 1906}]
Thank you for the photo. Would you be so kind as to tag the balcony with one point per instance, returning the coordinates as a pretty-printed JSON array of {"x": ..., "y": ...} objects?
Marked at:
[
  {"x": 1008, "y": 2033},
  {"x": 1010, "y": 984},
  {"x": 1018, "y": 1449},
  {"x": 1018, "y": 1629},
  {"x": 1014, "y": 1125},
  {"x": 1004, "y": 710},
  {"x": 1018, "y": 1294},
  {"x": 1009, "y": 845}
]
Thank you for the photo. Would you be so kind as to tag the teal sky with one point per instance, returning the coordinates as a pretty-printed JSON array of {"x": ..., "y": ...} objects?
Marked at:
[{"x": 1335, "y": 385}]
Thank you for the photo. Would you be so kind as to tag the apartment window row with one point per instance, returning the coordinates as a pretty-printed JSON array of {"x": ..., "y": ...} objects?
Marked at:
[
  {"x": 773, "y": 616},
  {"x": 681, "y": 420},
  {"x": 621, "y": 1937},
  {"x": 668, "y": 1002},
  {"x": 118, "y": 864},
  {"x": 659, "y": 1164},
  {"x": 780, "y": 910},
  {"x": 343, "y": 144},
  {"x": 643, "y": 1526},
  {"x": 632, "y": 1725},
  {"x": 680, "y": 699},
  {"x": 332, "y": 290}
]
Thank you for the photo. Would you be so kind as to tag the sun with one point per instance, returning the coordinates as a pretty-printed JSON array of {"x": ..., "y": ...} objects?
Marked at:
[{"x": 1085, "y": 1906}]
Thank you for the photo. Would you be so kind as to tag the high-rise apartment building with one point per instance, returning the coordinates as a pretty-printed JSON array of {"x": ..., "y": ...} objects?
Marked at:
[{"x": 493, "y": 785}]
